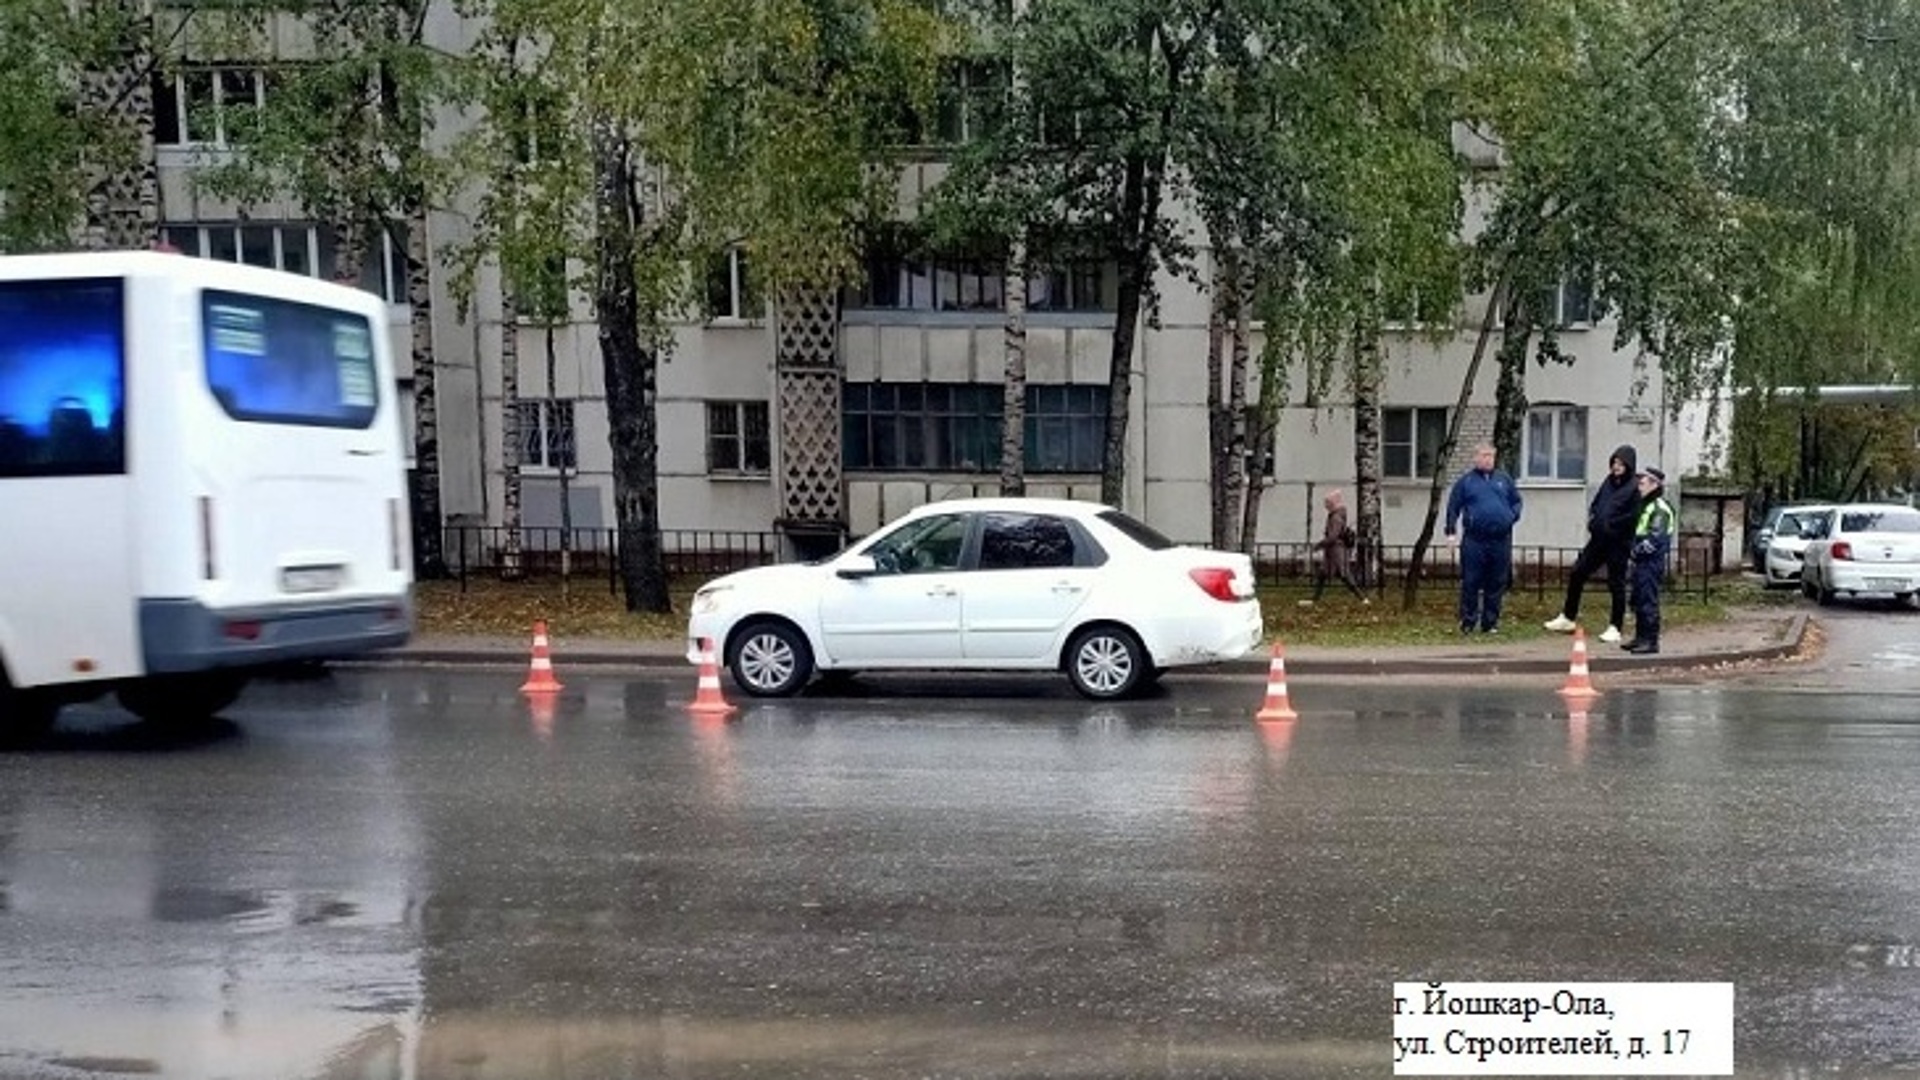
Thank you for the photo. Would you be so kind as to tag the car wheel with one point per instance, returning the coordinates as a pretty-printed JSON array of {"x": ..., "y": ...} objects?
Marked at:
[
  {"x": 25, "y": 717},
  {"x": 771, "y": 659},
  {"x": 1106, "y": 662},
  {"x": 181, "y": 699}
]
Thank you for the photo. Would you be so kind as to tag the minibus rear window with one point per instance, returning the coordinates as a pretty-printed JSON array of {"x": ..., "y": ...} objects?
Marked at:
[{"x": 282, "y": 362}]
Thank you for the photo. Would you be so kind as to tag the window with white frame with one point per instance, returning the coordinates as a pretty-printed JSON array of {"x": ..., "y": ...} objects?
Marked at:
[
  {"x": 1410, "y": 441},
  {"x": 205, "y": 104},
  {"x": 730, "y": 292},
  {"x": 1556, "y": 443},
  {"x": 546, "y": 434},
  {"x": 738, "y": 443},
  {"x": 298, "y": 248}
]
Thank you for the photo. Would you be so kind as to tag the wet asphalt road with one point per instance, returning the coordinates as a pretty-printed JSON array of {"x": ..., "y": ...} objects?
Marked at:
[{"x": 415, "y": 874}]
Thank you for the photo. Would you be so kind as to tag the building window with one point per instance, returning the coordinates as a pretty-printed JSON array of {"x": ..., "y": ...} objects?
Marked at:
[
  {"x": 1410, "y": 441},
  {"x": 971, "y": 100},
  {"x": 546, "y": 434},
  {"x": 1570, "y": 305},
  {"x": 737, "y": 439},
  {"x": 955, "y": 427},
  {"x": 730, "y": 292},
  {"x": 205, "y": 105},
  {"x": 900, "y": 278},
  {"x": 1556, "y": 443},
  {"x": 298, "y": 248}
]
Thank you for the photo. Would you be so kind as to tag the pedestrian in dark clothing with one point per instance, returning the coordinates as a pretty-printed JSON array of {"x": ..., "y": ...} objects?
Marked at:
[
  {"x": 1610, "y": 521},
  {"x": 1336, "y": 544},
  {"x": 1652, "y": 540},
  {"x": 1482, "y": 510}
]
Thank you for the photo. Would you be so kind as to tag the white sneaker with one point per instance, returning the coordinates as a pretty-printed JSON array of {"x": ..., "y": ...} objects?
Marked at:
[
  {"x": 1560, "y": 624},
  {"x": 1611, "y": 635}
]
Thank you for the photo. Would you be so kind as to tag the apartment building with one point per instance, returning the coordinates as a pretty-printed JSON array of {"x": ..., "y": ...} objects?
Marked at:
[{"x": 910, "y": 387}]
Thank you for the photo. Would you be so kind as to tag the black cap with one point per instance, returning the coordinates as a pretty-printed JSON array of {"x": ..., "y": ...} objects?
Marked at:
[{"x": 1658, "y": 476}]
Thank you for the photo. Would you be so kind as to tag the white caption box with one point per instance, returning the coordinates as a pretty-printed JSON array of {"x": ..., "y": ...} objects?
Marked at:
[{"x": 1562, "y": 1029}]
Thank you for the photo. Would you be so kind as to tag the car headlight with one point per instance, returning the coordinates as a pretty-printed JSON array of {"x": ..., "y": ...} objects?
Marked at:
[{"x": 708, "y": 600}]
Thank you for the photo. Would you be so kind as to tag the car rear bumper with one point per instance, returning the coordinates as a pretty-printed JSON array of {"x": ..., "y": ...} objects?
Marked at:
[
  {"x": 178, "y": 635},
  {"x": 1873, "y": 578},
  {"x": 1211, "y": 638}
]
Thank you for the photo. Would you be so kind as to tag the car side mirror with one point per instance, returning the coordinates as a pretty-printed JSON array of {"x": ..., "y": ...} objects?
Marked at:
[{"x": 855, "y": 567}]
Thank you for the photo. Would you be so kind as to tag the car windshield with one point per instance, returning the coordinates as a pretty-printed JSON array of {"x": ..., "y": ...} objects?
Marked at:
[
  {"x": 1892, "y": 520},
  {"x": 1138, "y": 531}
]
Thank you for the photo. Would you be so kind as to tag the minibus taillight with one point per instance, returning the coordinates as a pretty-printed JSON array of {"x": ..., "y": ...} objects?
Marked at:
[
  {"x": 206, "y": 537},
  {"x": 393, "y": 534}
]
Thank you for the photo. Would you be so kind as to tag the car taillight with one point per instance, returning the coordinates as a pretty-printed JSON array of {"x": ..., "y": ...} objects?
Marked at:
[
  {"x": 1841, "y": 550},
  {"x": 1215, "y": 581}
]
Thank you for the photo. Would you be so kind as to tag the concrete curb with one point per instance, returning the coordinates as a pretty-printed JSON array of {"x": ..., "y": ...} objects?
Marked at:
[{"x": 1600, "y": 659}]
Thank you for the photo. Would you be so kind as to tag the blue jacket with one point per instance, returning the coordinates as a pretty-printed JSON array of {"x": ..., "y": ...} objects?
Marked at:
[{"x": 1488, "y": 502}]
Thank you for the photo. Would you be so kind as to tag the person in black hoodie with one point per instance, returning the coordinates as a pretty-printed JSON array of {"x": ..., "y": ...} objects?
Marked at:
[{"x": 1610, "y": 523}]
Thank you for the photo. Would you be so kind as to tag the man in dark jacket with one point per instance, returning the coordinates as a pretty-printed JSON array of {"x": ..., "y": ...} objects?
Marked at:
[
  {"x": 1484, "y": 506},
  {"x": 1610, "y": 521},
  {"x": 1652, "y": 542}
]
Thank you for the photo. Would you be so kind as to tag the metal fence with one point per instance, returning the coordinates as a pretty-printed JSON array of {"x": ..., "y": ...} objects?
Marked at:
[{"x": 482, "y": 551}]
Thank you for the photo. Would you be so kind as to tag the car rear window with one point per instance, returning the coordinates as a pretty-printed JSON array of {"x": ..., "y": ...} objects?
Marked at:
[
  {"x": 282, "y": 362},
  {"x": 1139, "y": 532},
  {"x": 1887, "y": 521}
]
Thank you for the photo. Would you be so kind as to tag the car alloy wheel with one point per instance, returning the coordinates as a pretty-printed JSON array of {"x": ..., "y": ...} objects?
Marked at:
[
  {"x": 771, "y": 660},
  {"x": 1106, "y": 663}
]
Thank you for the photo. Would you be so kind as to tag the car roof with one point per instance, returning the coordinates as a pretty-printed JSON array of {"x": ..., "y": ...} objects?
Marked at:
[{"x": 1013, "y": 504}]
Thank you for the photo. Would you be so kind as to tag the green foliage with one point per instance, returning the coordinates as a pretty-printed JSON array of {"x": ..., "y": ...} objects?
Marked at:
[{"x": 42, "y": 134}]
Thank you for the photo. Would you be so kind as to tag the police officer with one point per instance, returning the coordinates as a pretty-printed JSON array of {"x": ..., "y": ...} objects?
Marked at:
[{"x": 1652, "y": 540}]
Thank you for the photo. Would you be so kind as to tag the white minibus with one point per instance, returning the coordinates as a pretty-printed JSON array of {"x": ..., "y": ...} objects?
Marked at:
[{"x": 201, "y": 472}]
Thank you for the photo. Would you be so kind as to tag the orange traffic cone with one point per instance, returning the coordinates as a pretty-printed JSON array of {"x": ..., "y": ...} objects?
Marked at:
[
  {"x": 708, "y": 701},
  {"x": 1277, "y": 706},
  {"x": 540, "y": 678},
  {"x": 1578, "y": 684}
]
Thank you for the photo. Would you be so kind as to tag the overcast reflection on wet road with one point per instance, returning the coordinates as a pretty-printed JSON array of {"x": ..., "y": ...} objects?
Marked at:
[{"x": 387, "y": 875}]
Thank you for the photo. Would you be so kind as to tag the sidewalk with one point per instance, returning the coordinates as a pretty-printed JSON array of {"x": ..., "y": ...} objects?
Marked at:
[{"x": 1746, "y": 637}]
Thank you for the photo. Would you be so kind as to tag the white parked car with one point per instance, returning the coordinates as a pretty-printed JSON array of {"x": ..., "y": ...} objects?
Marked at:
[
  {"x": 1792, "y": 532},
  {"x": 983, "y": 585},
  {"x": 1865, "y": 548}
]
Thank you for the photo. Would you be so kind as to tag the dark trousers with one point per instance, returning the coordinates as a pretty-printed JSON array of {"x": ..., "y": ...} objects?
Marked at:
[
  {"x": 1331, "y": 566},
  {"x": 1599, "y": 552},
  {"x": 1486, "y": 569},
  {"x": 1646, "y": 598}
]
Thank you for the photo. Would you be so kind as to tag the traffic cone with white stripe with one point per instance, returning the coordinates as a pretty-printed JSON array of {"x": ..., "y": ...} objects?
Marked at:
[
  {"x": 1277, "y": 706},
  {"x": 1578, "y": 684},
  {"x": 708, "y": 701},
  {"x": 540, "y": 678}
]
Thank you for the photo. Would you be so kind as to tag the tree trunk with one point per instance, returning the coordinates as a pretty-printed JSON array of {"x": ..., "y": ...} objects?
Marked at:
[
  {"x": 560, "y": 457},
  {"x": 1368, "y": 375},
  {"x": 428, "y": 527},
  {"x": 350, "y": 248},
  {"x": 1013, "y": 421},
  {"x": 1510, "y": 399},
  {"x": 511, "y": 437},
  {"x": 1244, "y": 475},
  {"x": 629, "y": 366},
  {"x": 1219, "y": 423},
  {"x": 1139, "y": 211},
  {"x": 1260, "y": 430},
  {"x": 1411, "y": 594}
]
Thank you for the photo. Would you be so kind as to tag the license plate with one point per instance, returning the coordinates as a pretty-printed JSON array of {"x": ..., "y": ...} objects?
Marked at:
[
  {"x": 310, "y": 579},
  {"x": 1888, "y": 584}
]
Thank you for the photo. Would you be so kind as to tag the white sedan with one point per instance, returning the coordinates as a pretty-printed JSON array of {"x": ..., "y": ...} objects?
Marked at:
[
  {"x": 984, "y": 585},
  {"x": 1865, "y": 548}
]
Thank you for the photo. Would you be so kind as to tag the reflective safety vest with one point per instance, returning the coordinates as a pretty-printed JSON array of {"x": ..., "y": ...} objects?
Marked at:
[{"x": 1656, "y": 518}]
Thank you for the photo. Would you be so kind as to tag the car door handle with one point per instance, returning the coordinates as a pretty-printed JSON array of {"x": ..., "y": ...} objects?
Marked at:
[
  {"x": 1066, "y": 587},
  {"x": 941, "y": 590}
]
